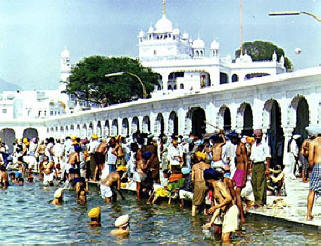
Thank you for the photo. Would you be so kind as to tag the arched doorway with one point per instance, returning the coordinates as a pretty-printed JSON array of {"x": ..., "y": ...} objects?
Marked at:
[
  {"x": 107, "y": 128},
  {"x": 225, "y": 118},
  {"x": 301, "y": 106},
  {"x": 198, "y": 121},
  {"x": 84, "y": 131},
  {"x": 272, "y": 122},
  {"x": 173, "y": 123},
  {"x": 30, "y": 133},
  {"x": 99, "y": 129},
  {"x": 159, "y": 126},
  {"x": 245, "y": 112},
  {"x": 146, "y": 124},
  {"x": 8, "y": 137},
  {"x": 135, "y": 125},
  {"x": 114, "y": 127},
  {"x": 90, "y": 130},
  {"x": 62, "y": 132},
  {"x": 125, "y": 127},
  {"x": 78, "y": 132},
  {"x": 72, "y": 130}
]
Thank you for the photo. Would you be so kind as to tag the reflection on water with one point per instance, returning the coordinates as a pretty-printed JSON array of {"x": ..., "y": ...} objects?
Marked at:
[{"x": 27, "y": 217}]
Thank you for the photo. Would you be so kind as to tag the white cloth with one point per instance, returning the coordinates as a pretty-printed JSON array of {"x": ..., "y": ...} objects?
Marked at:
[
  {"x": 139, "y": 177},
  {"x": 186, "y": 195},
  {"x": 58, "y": 150},
  {"x": 247, "y": 191},
  {"x": 32, "y": 148},
  {"x": 111, "y": 158},
  {"x": 231, "y": 220},
  {"x": 217, "y": 164},
  {"x": 48, "y": 178},
  {"x": 260, "y": 152},
  {"x": 173, "y": 155},
  {"x": 105, "y": 191},
  {"x": 92, "y": 146},
  {"x": 48, "y": 151},
  {"x": 104, "y": 172},
  {"x": 68, "y": 148}
]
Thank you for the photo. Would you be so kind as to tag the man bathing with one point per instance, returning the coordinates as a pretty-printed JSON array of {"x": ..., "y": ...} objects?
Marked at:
[
  {"x": 225, "y": 214},
  {"x": 240, "y": 175},
  {"x": 107, "y": 185},
  {"x": 315, "y": 179}
]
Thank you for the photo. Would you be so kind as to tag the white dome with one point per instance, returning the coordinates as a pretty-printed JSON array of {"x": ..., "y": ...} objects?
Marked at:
[
  {"x": 164, "y": 25},
  {"x": 244, "y": 59},
  {"x": 176, "y": 31},
  {"x": 150, "y": 29},
  {"x": 198, "y": 44},
  {"x": 215, "y": 45},
  {"x": 65, "y": 53},
  {"x": 185, "y": 35},
  {"x": 141, "y": 34}
]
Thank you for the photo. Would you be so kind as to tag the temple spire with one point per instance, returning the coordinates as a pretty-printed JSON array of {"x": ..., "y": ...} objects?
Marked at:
[{"x": 164, "y": 8}]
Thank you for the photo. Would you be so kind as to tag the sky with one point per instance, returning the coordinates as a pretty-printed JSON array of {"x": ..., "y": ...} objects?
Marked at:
[{"x": 33, "y": 33}]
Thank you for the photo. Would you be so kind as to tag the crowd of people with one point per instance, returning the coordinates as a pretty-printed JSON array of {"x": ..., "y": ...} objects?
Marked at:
[{"x": 222, "y": 175}]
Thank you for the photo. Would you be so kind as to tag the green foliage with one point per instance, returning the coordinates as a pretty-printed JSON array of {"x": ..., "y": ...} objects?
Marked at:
[
  {"x": 88, "y": 82},
  {"x": 262, "y": 51}
]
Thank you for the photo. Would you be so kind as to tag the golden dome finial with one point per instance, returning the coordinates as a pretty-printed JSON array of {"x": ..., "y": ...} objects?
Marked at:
[{"x": 164, "y": 8}]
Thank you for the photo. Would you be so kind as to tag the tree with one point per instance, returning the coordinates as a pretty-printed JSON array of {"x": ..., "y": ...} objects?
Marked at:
[
  {"x": 262, "y": 51},
  {"x": 88, "y": 82}
]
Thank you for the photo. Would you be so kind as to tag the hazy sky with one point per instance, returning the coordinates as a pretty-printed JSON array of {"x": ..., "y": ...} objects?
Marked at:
[{"x": 34, "y": 32}]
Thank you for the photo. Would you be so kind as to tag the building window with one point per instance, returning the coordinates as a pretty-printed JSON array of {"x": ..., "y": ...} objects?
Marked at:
[
  {"x": 155, "y": 52},
  {"x": 4, "y": 110},
  {"x": 235, "y": 78},
  {"x": 223, "y": 78}
]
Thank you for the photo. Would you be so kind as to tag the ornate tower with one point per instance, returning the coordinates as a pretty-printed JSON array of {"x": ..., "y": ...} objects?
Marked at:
[{"x": 65, "y": 66}]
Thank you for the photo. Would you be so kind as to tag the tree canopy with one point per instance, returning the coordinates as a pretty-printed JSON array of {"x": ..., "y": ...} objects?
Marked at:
[
  {"x": 88, "y": 82},
  {"x": 262, "y": 51}
]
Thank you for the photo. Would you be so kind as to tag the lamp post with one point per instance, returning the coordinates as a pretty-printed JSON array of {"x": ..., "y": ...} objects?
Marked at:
[
  {"x": 132, "y": 74},
  {"x": 294, "y": 13}
]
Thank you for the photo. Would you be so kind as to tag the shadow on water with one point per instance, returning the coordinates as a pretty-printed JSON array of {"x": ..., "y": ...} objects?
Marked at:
[{"x": 27, "y": 217}]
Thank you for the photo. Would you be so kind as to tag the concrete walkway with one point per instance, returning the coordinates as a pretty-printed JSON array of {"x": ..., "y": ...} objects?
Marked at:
[{"x": 295, "y": 207}]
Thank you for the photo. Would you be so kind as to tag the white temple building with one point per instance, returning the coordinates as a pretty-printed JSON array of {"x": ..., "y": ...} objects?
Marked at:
[{"x": 187, "y": 65}]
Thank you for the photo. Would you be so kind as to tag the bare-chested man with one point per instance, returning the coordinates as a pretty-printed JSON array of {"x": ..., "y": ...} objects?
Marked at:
[
  {"x": 4, "y": 179},
  {"x": 240, "y": 175},
  {"x": 303, "y": 157},
  {"x": 49, "y": 170},
  {"x": 153, "y": 162},
  {"x": 73, "y": 161},
  {"x": 107, "y": 185},
  {"x": 315, "y": 179},
  {"x": 100, "y": 157},
  {"x": 41, "y": 153},
  {"x": 141, "y": 171},
  {"x": 198, "y": 180},
  {"x": 219, "y": 141},
  {"x": 225, "y": 214}
]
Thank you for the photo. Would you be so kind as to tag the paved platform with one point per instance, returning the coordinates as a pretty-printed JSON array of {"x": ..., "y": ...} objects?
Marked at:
[{"x": 295, "y": 207}]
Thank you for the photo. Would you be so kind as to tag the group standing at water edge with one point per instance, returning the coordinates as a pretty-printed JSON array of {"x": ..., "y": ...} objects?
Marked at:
[{"x": 219, "y": 174}]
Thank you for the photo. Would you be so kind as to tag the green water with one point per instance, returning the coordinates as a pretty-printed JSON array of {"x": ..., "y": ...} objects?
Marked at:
[{"x": 28, "y": 217}]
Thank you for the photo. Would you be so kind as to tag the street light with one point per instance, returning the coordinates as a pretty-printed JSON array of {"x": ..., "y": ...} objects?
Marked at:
[
  {"x": 132, "y": 74},
  {"x": 294, "y": 13}
]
